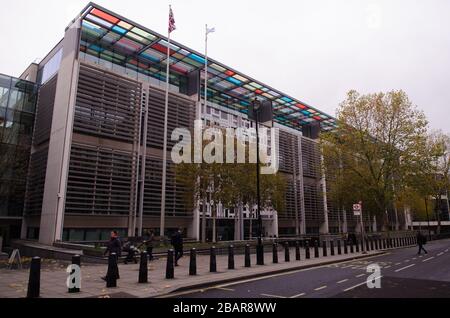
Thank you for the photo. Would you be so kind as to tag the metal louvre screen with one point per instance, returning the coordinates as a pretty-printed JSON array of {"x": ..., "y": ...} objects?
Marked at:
[
  {"x": 313, "y": 201},
  {"x": 287, "y": 153},
  {"x": 107, "y": 105},
  {"x": 100, "y": 181},
  {"x": 44, "y": 112},
  {"x": 311, "y": 158},
  {"x": 181, "y": 115},
  {"x": 175, "y": 193},
  {"x": 36, "y": 181}
]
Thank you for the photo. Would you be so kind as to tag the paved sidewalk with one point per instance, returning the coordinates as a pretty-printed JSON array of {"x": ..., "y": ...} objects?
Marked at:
[{"x": 13, "y": 283}]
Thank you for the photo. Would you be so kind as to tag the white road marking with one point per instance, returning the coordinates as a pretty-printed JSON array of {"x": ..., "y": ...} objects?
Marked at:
[
  {"x": 442, "y": 253},
  {"x": 225, "y": 289},
  {"x": 403, "y": 268},
  {"x": 361, "y": 275},
  {"x": 320, "y": 288},
  {"x": 386, "y": 267},
  {"x": 299, "y": 295},
  {"x": 427, "y": 259},
  {"x": 363, "y": 283},
  {"x": 407, "y": 261},
  {"x": 342, "y": 281},
  {"x": 397, "y": 263},
  {"x": 272, "y": 296},
  {"x": 446, "y": 250},
  {"x": 414, "y": 258}
]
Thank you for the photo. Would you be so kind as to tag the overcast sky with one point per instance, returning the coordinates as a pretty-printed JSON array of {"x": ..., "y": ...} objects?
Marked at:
[{"x": 312, "y": 50}]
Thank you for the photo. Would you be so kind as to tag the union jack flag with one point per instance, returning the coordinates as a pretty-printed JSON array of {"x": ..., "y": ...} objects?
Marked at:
[{"x": 172, "y": 26}]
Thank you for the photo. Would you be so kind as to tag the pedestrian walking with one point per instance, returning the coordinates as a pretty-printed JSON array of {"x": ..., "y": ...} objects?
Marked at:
[
  {"x": 421, "y": 241},
  {"x": 114, "y": 246},
  {"x": 177, "y": 243}
]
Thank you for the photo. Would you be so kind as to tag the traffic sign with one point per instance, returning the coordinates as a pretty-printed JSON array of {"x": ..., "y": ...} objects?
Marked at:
[{"x": 357, "y": 209}]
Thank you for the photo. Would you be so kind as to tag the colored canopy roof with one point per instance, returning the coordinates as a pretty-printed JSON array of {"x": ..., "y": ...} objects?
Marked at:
[{"x": 134, "y": 45}]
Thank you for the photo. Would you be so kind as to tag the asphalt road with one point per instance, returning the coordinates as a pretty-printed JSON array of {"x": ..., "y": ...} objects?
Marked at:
[{"x": 403, "y": 273}]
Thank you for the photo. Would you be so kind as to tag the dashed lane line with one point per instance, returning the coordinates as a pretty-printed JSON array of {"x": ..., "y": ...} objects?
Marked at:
[
  {"x": 403, "y": 268},
  {"x": 361, "y": 275},
  {"x": 442, "y": 253},
  {"x": 397, "y": 264},
  {"x": 342, "y": 281},
  {"x": 353, "y": 287},
  {"x": 272, "y": 296},
  {"x": 225, "y": 289},
  {"x": 320, "y": 288},
  {"x": 428, "y": 259},
  {"x": 298, "y": 296},
  {"x": 386, "y": 267}
]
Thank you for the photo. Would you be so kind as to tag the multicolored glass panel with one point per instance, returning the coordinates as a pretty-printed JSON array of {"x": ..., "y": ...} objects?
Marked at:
[{"x": 123, "y": 42}]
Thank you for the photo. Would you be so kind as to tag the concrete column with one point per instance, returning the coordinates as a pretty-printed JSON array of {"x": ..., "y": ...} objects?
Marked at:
[
  {"x": 374, "y": 224},
  {"x": 194, "y": 228},
  {"x": 52, "y": 216},
  {"x": 302, "y": 188},
  {"x": 345, "y": 224}
]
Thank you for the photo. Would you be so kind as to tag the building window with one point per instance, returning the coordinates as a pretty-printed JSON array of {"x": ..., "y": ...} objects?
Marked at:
[{"x": 51, "y": 67}]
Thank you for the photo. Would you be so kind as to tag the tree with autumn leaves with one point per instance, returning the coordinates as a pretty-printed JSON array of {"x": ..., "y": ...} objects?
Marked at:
[{"x": 383, "y": 155}]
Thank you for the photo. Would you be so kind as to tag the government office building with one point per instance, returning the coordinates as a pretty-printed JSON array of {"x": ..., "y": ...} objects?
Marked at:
[{"x": 82, "y": 118}]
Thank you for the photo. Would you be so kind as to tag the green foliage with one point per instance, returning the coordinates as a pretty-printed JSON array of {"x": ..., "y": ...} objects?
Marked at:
[{"x": 376, "y": 149}]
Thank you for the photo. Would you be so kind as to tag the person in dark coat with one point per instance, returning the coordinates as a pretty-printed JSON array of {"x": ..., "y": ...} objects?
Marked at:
[
  {"x": 421, "y": 241},
  {"x": 177, "y": 243},
  {"x": 114, "y": 246}
]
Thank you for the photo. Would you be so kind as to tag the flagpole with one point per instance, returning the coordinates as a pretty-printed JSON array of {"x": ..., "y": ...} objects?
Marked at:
[
  {"x": 164, "y": 163},
  {"x": 206, "y": 66}
]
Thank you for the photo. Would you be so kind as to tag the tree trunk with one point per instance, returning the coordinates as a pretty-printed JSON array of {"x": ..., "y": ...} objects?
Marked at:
[{"x": 438, "y": 214}]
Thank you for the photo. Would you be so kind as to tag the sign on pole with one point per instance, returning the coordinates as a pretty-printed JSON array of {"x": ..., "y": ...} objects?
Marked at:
[{"x": 357, "y": 209}]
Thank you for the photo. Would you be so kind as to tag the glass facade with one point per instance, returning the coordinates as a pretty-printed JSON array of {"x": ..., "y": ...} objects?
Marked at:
[
  {"x": 128, "y": 49},
  {"x": 17, "y": 110}
]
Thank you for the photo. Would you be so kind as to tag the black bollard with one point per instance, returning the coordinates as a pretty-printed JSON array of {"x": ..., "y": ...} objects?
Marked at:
[
  {"x": 324, "y": 249},
  {"x": 367, "y": 245},
  {"x": 193, "y": 263},
  {"x": 332, "y": 248},
  {"x": 170, "y": 269},
  {"x": 297, "y": 251},
  {"x": 34, "y": 280},
  {"x": 248, "y": 262},
  {"x": 377, "y": 244},
  {"x": 212, "y": 262},
  {"x": 357, "y": 246},
  {"x": 143, "y": 268},
  {"x": 113, "y": 271},
  {"x": 287, "y": 256},
  {"x": 316, "y": 249},
  {"x": 352, "y": 248},
  {"x": 76, "y": 260},
  {"x": 371, "y": 244},
  {"x": 339, "y": 247},
  {"x": 345, "y": 247},
  {"x": 231, "y": 257},
  {"x": 384, "y": 244},
  {"x": 307, "y": 252}
]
